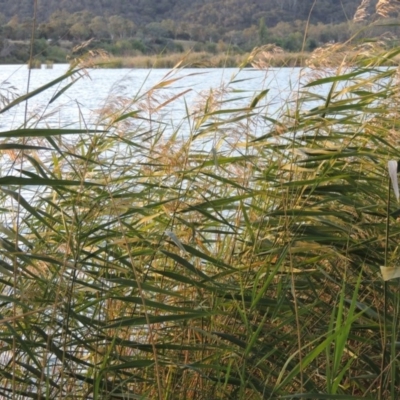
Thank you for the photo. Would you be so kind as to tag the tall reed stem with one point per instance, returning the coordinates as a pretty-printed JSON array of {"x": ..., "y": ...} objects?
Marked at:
[{"x": 385, "y": 289}]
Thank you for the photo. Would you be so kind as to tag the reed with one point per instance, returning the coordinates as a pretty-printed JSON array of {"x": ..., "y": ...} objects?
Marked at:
[
  {"x": 204, "y": 60},
  {"x": 49, "y": 64},
  {"x": 168, "y": 61},
  {"x": 35, "y": 64},
  {"x": 235, "y": 255},
  {"x": 331, "y": 55}
]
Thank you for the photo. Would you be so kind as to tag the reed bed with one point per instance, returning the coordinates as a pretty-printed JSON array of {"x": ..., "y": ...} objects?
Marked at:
[
  {"x": 204, "y": 60},
  {"x": 236, "y": 255},
  {"x": 269, "y": 56},
  {"x": 170, "y": 60}
]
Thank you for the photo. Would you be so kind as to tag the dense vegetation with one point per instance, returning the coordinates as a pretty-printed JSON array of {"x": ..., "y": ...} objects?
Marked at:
[
  {"x": 231, "y": 14},
  {"x": 233, "y": 255},
  {"x": 152, "y": 27}
]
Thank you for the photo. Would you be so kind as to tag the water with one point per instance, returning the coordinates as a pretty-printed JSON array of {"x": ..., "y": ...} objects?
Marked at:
[
  {"x": 109, "y": 89},
  {"x": 102, "y": 92}
]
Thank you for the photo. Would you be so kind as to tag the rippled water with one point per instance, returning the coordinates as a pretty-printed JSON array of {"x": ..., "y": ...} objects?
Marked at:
[{"x": 79, "y": 106}]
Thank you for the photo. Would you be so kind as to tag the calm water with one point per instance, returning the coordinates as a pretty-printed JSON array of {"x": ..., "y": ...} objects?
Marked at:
[{"x": 80, "y": 105}]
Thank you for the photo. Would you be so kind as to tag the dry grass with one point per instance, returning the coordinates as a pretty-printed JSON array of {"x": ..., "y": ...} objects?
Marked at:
[
  {"x": 270, "y": 56},
  {"x": 206, "y": 60},
  {"x": 332, "y": 55},
  {"x": 194, "y": 60}
]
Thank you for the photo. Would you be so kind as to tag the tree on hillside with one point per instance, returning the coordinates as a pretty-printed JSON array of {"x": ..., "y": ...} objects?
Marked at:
[
  {"x": 79, "y": 25},
  {"x": 120, "y": 27},
  {"x": 156, "y": 30},
  {"x": 170, "y": 26},
  {"x": 262, "y": 31},
  {"x": 98, "y": 25},
  {"x": 57, "y": 26},
  {"x": 227, "y": 14}
]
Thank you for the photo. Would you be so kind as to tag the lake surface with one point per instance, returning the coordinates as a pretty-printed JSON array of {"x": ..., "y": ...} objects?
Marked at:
[{"x": 109, "y": 89}]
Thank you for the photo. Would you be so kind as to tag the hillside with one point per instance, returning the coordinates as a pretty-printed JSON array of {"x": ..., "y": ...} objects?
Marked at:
[
  {"x": 227, "y": 14},
  {"x": 135, "y": 27}
]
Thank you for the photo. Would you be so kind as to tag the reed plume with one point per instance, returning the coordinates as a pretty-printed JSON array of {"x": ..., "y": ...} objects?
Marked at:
[
  {"x": 386, "y": 7},
  {"x": 376, "y": 8},
  {"x": 362, "y": 11}
]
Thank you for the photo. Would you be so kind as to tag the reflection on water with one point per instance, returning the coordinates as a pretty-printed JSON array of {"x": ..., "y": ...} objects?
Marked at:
[{"x": 110, "y": 89}]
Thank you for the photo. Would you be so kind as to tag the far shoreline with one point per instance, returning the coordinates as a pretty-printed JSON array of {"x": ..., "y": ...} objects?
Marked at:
[
  {"x": 172, "y": 60},
  {"x": 202, "y": 60},
  {"x": 334, "y": 56}
]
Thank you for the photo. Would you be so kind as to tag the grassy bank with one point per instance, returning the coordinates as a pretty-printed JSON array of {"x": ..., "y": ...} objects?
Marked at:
[
  {"x": 203, "y": 60},
  {"x": 270, "y": 56},
  {"x": 233, "y": 255}
]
